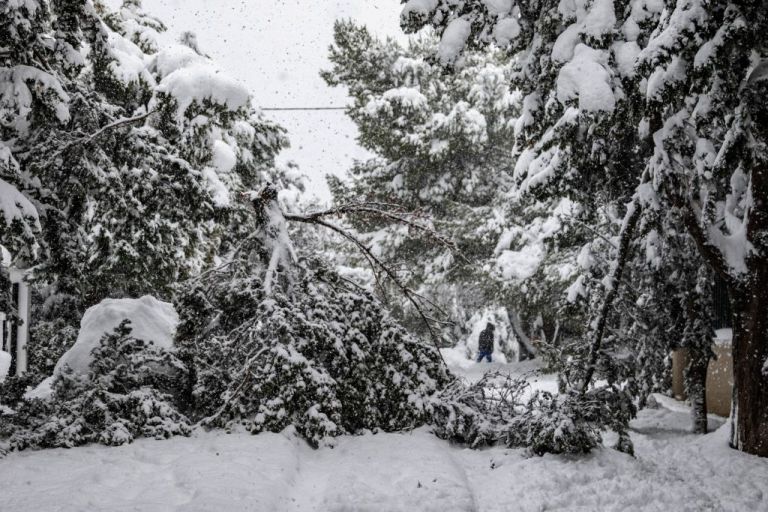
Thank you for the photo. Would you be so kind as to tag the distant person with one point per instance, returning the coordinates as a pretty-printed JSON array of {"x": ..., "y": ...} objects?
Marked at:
[{"x": 485, "y": 343}]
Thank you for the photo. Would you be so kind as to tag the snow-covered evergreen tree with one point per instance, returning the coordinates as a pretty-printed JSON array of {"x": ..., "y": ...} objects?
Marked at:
[
  {"x": 131, "y": 156},
  {"x": 705, "y": 93},
  {"x": 130, "y": 391},
  {"x": 442, "y": 144},
  {"x": 584, "y": 134}
]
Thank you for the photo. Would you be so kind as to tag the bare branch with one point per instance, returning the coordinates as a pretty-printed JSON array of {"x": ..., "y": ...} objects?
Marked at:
[{"x": 379, "y": 210}]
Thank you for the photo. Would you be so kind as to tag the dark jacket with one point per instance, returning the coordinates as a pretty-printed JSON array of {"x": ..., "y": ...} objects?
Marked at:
[{"x": 485, "y": 343}]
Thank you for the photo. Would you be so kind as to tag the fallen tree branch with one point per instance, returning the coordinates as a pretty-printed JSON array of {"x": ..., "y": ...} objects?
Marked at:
[
  {"x": 634, "y": 209},
  {"x": 378, "y": 210},
  {"x": 376, "y": 265}
]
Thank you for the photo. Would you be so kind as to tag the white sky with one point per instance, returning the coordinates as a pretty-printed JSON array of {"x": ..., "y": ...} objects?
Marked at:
[{"x": 277, "y": 48}]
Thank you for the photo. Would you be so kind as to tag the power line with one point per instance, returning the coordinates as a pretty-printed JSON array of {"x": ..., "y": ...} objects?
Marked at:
[{"x": 303, "y": 108}]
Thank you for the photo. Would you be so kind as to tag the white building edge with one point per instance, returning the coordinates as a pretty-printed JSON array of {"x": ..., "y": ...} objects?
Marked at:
[{"x": 14, "y": 336}]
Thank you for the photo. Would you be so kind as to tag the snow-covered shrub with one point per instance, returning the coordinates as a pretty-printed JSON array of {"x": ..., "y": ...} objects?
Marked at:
[
  {"x": 129, "y": 392},
  {"x": 49, "y": 340}
]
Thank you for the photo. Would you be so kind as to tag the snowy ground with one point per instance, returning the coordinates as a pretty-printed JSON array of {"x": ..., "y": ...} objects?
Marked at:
[{"x": 673, "y": 470}]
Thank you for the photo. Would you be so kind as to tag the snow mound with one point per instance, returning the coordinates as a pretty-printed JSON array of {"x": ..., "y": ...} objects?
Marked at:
[{"x": 151, "y": 320}]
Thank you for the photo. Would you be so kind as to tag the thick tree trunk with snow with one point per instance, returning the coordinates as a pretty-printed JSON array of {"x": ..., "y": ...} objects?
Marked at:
[
  {"x": 750, "y": 300},
  {"x": 750, "y": 378}
]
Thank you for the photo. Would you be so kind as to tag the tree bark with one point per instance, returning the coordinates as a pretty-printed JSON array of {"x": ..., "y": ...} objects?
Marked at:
[
  {"x": 750, "y": 301},
  {"x": 750, "y": 351},
  {"x": 696, "y": 377}
]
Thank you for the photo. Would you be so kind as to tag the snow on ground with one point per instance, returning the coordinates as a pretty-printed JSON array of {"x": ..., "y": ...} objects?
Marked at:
[{"x": 673, "y": 470}]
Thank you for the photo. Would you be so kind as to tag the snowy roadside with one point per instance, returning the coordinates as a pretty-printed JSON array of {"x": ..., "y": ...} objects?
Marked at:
[{"x": 673, "y": 470}]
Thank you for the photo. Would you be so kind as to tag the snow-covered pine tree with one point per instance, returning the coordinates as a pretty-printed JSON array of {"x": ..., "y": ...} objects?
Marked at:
[
  {"x": 442, "y": 144},
  {"x": 132, "y": 390},
  {"x": 132, "y": 154},
  {"x": 668, "y": 304},
  {"x": 706, "y": 86},
  {"x": 578, "y": 135}
]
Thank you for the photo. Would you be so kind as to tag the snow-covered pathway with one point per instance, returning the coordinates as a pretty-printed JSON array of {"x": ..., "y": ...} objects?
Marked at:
[{"x": 215, "y": 471}]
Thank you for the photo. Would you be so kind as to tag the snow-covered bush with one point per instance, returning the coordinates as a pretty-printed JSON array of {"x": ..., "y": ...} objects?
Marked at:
[{"x": 129, "y": 392}]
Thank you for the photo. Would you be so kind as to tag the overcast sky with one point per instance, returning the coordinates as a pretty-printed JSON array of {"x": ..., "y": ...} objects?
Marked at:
[{"x": 277, "y": 47}]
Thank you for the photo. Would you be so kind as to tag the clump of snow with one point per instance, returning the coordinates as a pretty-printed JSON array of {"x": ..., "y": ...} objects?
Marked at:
[
  {"x": 217, "y": 188},
  {"x": 224, "y": 157},
  {"x": 576, "y": 290},
  {"x": 174, "y": 58},
  {"x": 586, "y": 79},
  {"x": 5, "y": 364},
  {"x": 684, "y": 21},
  {"x": 43, "y": 391},
  {"x": 14, "y": 205},
  {"x": 406, "y": 96},
  {"x": 562, "y": 50},
  {"x": 200, "y": 83},
  {"x": 151, "y": 320},
  {"x": 506, "y": 30},
  {"x": 16, "y": 97},
  {"x": 520, "y": 264},
  {"x": 593, "y": 20},
  {"x": 723, "y": 337},
  {"x": 5, "y": 257},
  {"x": 498, "y": 6},
  {"x": 129, "y": 61},
  {"x": 675, "y": 71},
  {"x": 600, "y": 19},
  {"x": 641, "y": 10},
  {"x": 453, "y": 40},
  {"x": 626, "y": 55},
  {"x": 419, "y": 6}
]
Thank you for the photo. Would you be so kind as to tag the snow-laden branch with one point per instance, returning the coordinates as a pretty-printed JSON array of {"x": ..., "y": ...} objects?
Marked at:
[
  {"x": 101, "y": 131},
  {"x": 376, "y": 265},
  {"x": 389, "y": 211}
]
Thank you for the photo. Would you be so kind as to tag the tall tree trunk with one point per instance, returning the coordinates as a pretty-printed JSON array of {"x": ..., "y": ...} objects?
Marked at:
[
  {"x": 750, "y": 351},
  {"x": 696, "y": 384},
  {"x": 750, "y": 301}
]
